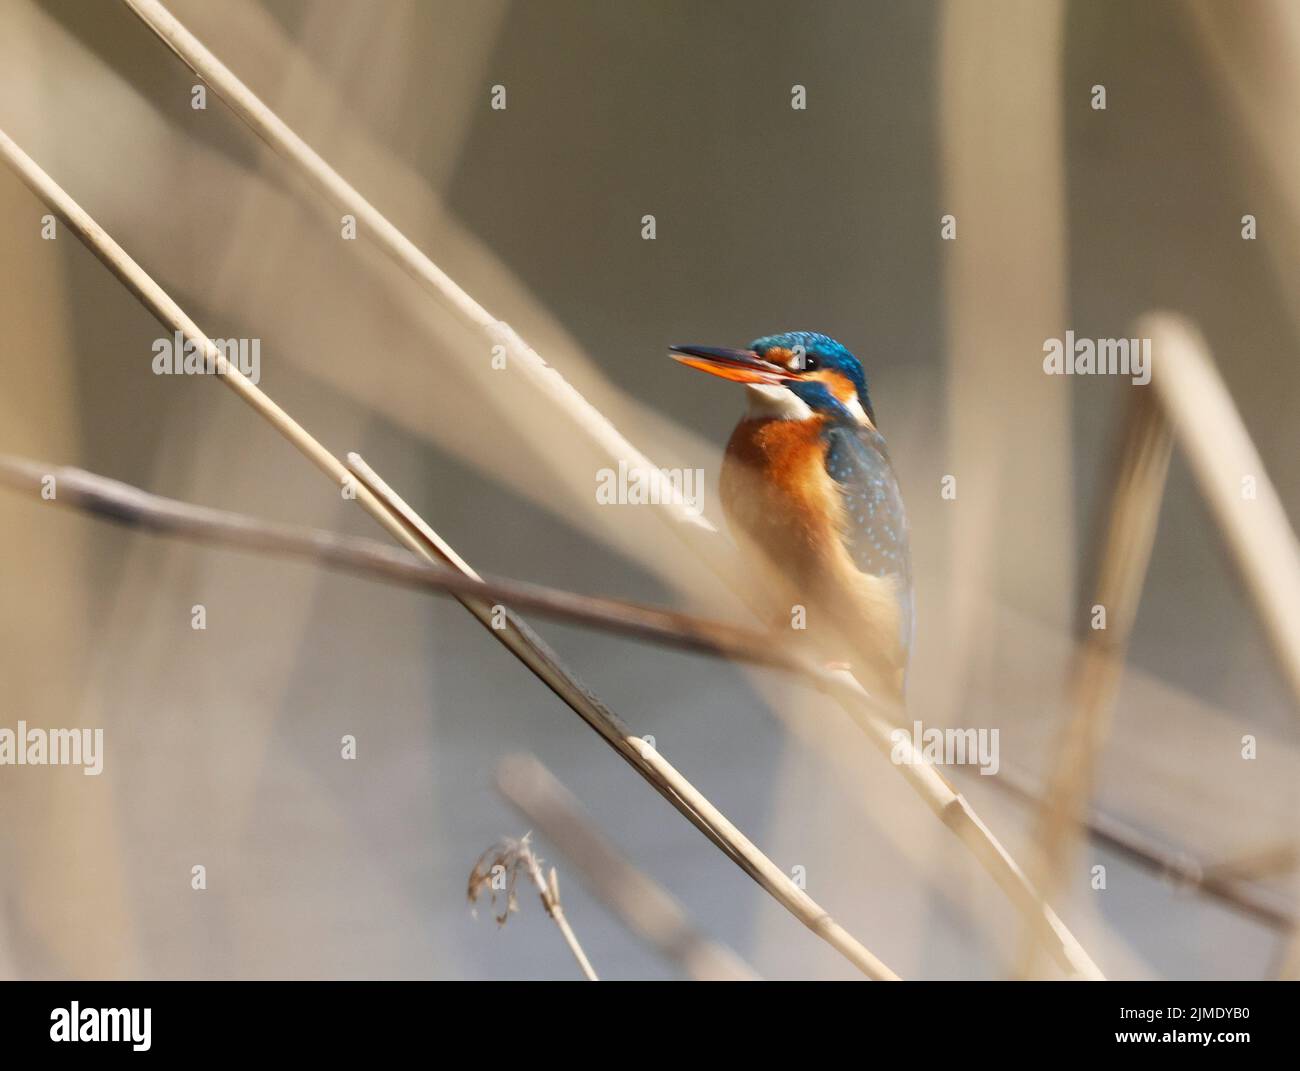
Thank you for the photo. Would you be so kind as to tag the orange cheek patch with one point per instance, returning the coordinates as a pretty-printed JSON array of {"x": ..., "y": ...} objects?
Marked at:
[{"x": 839, "y": 385}]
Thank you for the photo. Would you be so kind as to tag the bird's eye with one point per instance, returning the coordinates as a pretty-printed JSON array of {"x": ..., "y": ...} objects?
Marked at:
[{"x": 807, "y": 362}]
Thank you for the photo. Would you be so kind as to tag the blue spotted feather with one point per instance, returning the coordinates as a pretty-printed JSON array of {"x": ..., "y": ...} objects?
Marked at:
[{"x": 877, "y": 537}]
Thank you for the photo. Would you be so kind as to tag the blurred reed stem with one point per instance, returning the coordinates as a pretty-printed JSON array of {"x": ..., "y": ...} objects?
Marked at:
[
  {"x": 125, "y": 504},
  {"x": 1179, "y": 867}
]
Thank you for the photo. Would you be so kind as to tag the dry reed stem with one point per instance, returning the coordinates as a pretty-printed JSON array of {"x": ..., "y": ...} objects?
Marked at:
[
  {"x": 1132, "y": 515},
  {"x": 648, "y": 909},
  {"x": 949, "y": 805},
  {"x": 125, "y": 504},
  {"x": 517, "y": 636},
  {"x": 549, "y": 891}
]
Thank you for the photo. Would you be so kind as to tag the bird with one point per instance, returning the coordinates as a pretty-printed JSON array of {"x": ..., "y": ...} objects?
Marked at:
[{"x": 808, "y": 488}]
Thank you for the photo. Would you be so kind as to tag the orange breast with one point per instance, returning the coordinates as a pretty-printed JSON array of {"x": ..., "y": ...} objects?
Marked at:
[
  {"x": 788, "y": 518},
  {"x": 776, "y": 491}
]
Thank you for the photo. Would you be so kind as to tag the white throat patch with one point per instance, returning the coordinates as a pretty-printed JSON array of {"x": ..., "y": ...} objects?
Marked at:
[{"x": 770, "y": 402}]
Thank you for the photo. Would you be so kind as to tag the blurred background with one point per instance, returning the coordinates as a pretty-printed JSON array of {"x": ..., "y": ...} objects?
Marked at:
[{"x": 222, "y": 746}]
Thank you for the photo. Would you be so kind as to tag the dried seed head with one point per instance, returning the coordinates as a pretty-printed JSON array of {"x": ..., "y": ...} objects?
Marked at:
[{"x": 497, "y": 871}]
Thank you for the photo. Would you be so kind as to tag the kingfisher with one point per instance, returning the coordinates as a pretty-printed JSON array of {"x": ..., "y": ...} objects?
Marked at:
[{"x": 808, "y": 488}]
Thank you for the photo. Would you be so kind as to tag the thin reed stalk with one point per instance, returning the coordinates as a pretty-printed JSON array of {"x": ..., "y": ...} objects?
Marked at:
[
  {"x": 548, "y": 889},
  {"x": 125, "y": 504}
]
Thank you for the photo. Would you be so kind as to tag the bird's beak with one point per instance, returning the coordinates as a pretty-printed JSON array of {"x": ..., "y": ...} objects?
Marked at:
[{"x": 741, "y": 366}]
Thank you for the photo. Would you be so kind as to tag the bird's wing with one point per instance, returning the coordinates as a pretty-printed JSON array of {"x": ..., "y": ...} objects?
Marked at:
[{"x": 876, "y": 536}]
